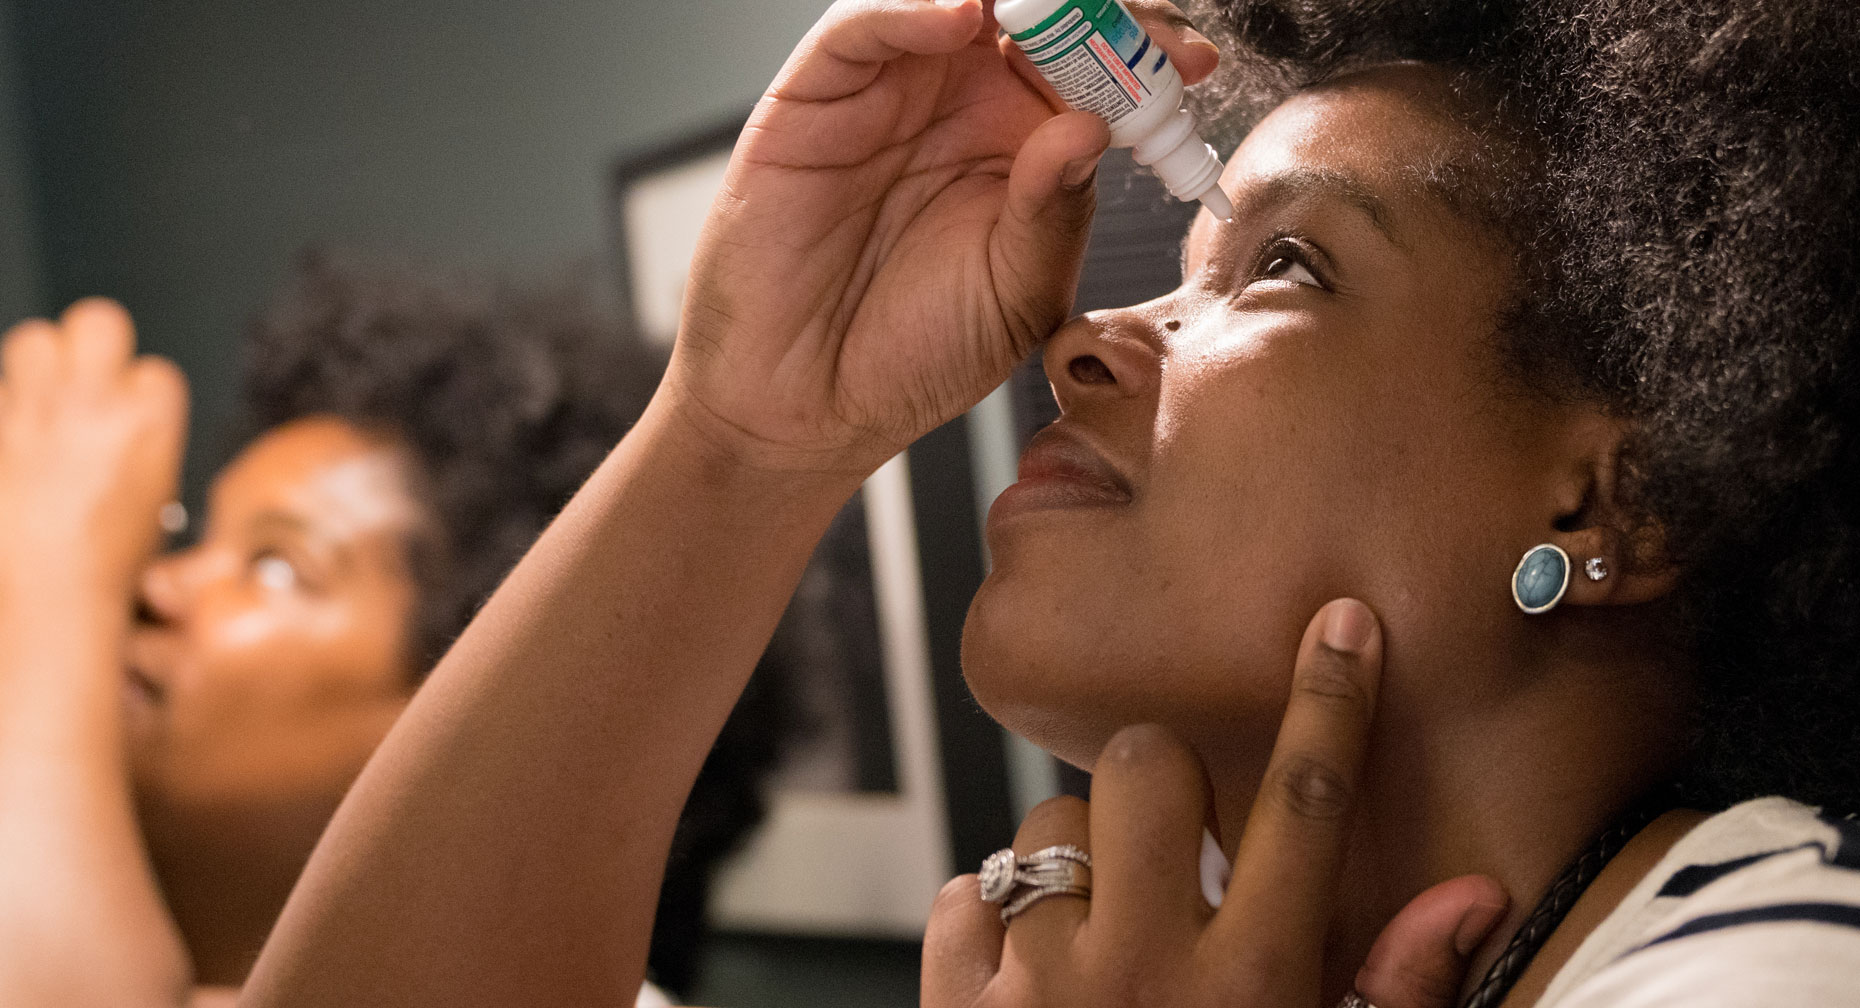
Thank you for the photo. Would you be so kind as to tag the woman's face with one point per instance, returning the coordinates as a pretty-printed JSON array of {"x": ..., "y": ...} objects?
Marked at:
[
  {"x": 1316, "y": 412},
  {"x": 276, "y": 653}
]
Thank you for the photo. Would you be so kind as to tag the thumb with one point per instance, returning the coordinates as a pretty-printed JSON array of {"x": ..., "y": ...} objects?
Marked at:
[
  {"x": 1419, "y": 960},
  {"x": 1039, "y": 240}
]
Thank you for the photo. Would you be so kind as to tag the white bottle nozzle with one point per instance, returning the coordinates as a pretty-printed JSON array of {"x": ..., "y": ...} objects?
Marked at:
[
  {"x": 1185, "y": 163},
  {"x": 1218, "y": 204}
]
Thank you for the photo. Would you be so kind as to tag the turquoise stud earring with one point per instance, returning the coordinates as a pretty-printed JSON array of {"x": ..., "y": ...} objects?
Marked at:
[{"x": 1541, "y": 578}]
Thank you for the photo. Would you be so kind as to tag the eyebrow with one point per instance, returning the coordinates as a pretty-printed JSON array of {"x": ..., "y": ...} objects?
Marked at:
[
  {"x": 1302, "y": 183},
  {"x": 1295, "y": 184},
  {"x": 298, "y": 525}
]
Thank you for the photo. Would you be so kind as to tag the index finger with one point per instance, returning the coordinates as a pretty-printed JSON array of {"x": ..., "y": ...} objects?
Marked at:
[
  {"x": 842, "y": 53},
  {"x": 1285, "y": 874}
]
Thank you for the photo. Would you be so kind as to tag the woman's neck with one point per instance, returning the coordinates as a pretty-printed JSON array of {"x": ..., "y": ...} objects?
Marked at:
[
  {"x": 1514, "y": 793},
  {"x": 1617, "y": 879}
]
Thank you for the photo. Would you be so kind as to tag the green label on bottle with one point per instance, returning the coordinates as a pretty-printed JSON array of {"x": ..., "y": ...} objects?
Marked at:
[{"x": 1095, "y": 55}]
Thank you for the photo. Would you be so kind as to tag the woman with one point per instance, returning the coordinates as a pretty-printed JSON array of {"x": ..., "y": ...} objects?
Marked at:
[
  {"x": 413, "y": 433},
  {"x": 1570, "y": 274}
]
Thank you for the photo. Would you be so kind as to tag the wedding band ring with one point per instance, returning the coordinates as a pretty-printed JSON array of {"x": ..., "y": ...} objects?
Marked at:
[
  {"x": 1030, "y": 895},
  {"x": 1019, "y": 882}
]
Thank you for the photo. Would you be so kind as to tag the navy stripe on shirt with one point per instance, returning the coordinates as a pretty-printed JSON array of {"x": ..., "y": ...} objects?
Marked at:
[
  {"x": 1846, "y": 854},
  {"x": 1692, "y": 878},
  {"x": 1840, "y": 914}
]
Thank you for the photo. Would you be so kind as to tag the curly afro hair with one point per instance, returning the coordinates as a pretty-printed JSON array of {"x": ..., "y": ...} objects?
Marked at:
[
  {"x": 1687, "y": 233},
  {"x": 505, "y": 397}
]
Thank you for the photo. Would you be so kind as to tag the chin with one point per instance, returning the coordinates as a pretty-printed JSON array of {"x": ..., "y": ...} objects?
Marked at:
[
  {"x": 1066, "y": 671},
  {"x": 1060, "y": 672}
]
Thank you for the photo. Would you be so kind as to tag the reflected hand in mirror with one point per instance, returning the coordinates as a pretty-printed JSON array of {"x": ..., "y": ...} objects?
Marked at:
[{"x": 90, "y": 445}]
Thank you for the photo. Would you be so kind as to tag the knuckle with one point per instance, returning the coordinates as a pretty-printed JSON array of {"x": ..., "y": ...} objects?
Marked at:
[
  {"x": 1327, "y": 677},
  {"x": 98, "y": 319},
  {"x": 958, "y": 892},
  {"x": 1311, "y": 788},
  {"x": 1055, "y": 820},
  {"x": 96, "y": 303},
  {"x": 36, "y": 335},
  {"x": 1417, "y": 984},
  {"x": 159, "y": 369},
  {"x": 1146, "y": 750},
  {"x": 1160, "y": 10},
  {"x": 160, "y": 377}
]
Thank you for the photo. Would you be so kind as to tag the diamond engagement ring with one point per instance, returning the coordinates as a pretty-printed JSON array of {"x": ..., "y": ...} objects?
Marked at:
[
  {"x": 1020, "y": 882},
  {"x": 1354, "y": 1000}
]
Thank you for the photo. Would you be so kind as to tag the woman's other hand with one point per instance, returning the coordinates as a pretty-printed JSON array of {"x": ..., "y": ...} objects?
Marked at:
[
  {"x": 1148, "y": 936},
  {"x": 90, "y": 447},
  {"x": 902, "y": 221}
]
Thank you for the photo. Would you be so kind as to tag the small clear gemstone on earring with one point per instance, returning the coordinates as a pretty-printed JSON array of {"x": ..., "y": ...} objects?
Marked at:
[{"x": 1596, "y": 568}]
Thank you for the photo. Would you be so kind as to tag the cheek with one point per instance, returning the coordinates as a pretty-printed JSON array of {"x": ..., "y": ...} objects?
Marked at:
[
  {"x": 276, "y": 701},
  {"x": 1258, "y": 477},
  {"x": 260, "y": 663}
]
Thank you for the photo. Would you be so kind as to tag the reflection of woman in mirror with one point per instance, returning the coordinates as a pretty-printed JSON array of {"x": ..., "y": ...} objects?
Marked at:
[
  {"x": 1570, "y": 273},
  {"x": 415, "y": 433}
]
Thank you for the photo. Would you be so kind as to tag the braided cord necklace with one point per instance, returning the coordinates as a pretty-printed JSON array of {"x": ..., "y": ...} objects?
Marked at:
[{"x": 1563, "y": 893}]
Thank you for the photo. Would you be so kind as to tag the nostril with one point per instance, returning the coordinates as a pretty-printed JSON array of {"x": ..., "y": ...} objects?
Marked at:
[
  {"x": 1172, "y": 325},
  {"x": 1089, "y": 370}
]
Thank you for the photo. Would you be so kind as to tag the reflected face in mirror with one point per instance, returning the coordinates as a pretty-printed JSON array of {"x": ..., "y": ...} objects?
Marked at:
[
  {"x": 1317, "y": 411},
  {"x": 276, "y": 652}
]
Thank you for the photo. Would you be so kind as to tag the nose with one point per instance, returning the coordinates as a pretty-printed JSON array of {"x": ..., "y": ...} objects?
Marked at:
[{"x": 1104, "y": 357}]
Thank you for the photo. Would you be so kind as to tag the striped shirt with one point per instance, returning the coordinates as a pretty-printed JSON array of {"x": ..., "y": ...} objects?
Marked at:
[{"x": 1756, "y": 907}]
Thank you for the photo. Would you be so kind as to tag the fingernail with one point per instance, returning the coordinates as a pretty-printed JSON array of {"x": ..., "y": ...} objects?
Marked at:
[
  {"x": 1077, "y": 173},
  {"x": 1347, "y": 626},
  {"x": 1193, "y": 38},
  {"x": 952, "y": 3},
  {"x": 1475, "y": 926}
]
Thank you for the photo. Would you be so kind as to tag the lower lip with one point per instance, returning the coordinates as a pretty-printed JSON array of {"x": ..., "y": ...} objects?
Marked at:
[{"x": 1049, "y": 493}]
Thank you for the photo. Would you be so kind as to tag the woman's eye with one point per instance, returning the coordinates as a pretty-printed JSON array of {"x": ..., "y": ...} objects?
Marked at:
[
  {"x": 273, "y": 572},
  {"x": 1287, "y": 268}
]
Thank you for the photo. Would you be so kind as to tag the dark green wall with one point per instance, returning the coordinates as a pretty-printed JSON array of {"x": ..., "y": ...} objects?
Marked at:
[
  {"x": 183, "y": 150},
  {"x": 20, "y": 288}
]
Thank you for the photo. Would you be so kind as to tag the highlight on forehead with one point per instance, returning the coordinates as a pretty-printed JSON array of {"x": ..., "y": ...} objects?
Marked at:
[{"x": 1482, "y": 172}]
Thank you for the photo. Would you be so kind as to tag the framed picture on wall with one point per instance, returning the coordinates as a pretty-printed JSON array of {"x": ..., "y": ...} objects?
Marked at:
[{"x": 862, "y": 830}]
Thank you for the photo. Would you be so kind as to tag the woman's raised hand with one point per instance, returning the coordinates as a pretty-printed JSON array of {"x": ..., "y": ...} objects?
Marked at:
[
  {"x": 902, "y": 221},
  {"x": 1148, "y": 936},
  {"x": 90, "y": 446}
]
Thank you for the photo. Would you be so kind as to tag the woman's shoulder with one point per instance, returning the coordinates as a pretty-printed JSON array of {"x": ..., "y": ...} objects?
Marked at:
[{"x": 1758, "y": 905}]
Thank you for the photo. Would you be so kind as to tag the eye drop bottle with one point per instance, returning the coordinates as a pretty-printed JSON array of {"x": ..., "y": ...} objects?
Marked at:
[{"x": 1101, "y": 61}]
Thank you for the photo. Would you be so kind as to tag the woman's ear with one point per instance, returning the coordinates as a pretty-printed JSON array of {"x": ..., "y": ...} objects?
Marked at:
[{"x": 1617, "y": 558}]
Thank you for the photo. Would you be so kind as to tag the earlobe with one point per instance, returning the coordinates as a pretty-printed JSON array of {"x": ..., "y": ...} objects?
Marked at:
[{"x": 1610, "y": 570}]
